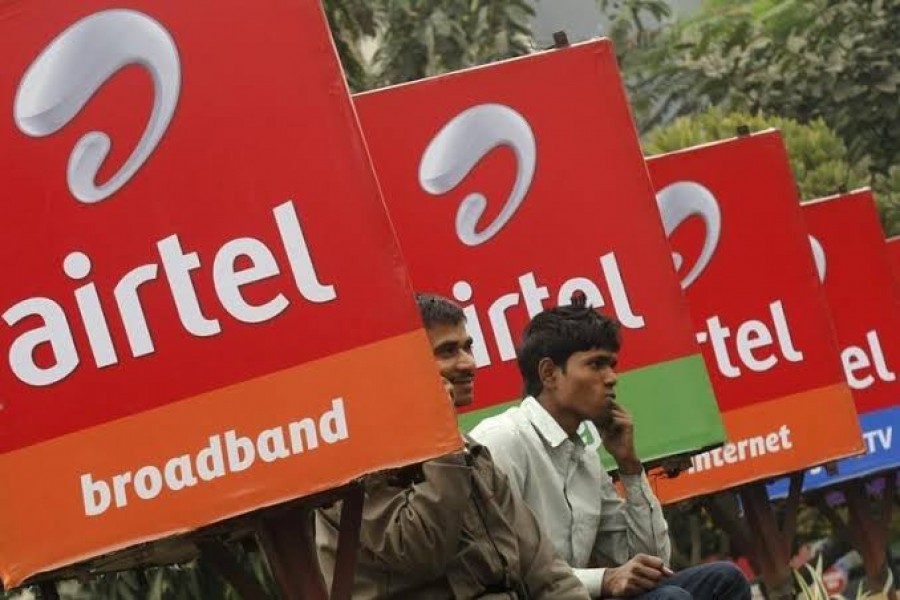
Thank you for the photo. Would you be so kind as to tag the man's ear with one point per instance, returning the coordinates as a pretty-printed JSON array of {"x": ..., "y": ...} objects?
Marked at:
[{"x": 547, "y": 372}]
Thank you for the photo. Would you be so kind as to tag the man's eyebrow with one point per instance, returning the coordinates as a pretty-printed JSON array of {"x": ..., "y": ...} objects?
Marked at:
[
  {"x": 446, "y": 345},
  {"x": 604, "y": 358}
]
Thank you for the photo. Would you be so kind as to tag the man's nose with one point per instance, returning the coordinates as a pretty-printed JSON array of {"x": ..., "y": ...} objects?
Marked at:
[
  {"x": 465, "y": 362},
  {"x": 611, "y": 378}
]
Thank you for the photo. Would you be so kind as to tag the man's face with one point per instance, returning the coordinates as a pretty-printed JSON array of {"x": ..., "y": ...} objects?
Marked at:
[
  {"x": 452, "y": 348},
  {"x": 586, "y": 388}
]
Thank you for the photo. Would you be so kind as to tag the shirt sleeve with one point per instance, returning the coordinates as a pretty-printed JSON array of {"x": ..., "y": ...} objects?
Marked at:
[
  {"x": 635, "y": 525},
  {"x": 592, "y": 580}
]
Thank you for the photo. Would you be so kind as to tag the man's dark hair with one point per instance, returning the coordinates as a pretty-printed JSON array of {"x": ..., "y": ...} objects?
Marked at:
[
  {"x": 560, "y": 332},
  {"x": 437, "y": 310}
]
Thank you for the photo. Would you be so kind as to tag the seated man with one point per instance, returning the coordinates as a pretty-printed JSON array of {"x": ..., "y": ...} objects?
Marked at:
[
  {"x": 453, "y": 528},
  {"x": 568, "y": 360}
]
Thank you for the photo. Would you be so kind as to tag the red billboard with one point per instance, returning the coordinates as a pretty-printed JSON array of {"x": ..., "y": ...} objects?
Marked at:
[
  {"x": 191, "y": 234},
  {"x": 741, "y": 248},
  {"x": 509, "y": 191},
  {"x": 856, "y": 272}
]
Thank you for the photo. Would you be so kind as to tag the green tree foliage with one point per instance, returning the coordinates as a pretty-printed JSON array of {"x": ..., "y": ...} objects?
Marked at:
[
  {"x": 411, "y": 39},
  {"x": 351, "y": 22},
  {"x": 422, "y": 38},
  {"x": 636, "y": 41},
  {"x": 407, "y": 40},
  {"x": 820, "y": 160},
  {"x": 806, "y": 59},
  {"x": 888, "y": 189},
  {"x": 630, "y": 23}
]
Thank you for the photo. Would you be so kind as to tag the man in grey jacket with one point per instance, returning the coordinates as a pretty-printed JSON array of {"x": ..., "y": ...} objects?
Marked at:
[
  {"x": 453, "y": 528},
  {"x": 617, "y": 547}
]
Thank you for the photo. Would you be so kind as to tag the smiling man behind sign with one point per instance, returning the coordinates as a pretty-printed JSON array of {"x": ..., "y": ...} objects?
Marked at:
[{"x": 455, "y": 528}]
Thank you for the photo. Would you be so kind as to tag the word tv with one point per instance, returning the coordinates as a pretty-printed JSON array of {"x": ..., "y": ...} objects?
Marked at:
[{"x": 177, "y": 266}]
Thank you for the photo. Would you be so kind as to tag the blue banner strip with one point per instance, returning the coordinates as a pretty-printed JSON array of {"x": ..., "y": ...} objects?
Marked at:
[{"x": 883, "y": 454}]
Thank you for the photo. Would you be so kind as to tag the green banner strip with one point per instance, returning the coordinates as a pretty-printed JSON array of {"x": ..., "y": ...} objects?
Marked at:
[{"x": 673, "y": 406}]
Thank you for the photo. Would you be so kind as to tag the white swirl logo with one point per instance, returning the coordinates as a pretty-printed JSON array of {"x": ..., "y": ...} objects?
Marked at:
[
  {"x": 819, "y": 256},
  {"x": 677, "y": 203},
  {"x": 61, "y": 81},
  {"x": 461, "y": 145}
]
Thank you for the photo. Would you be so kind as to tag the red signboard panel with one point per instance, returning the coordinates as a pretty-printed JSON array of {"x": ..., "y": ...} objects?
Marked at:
[
  {"x": 761, "y": 316},
  {"x": 192, "y": 236},
  {"x": 512, "y": 186},
  {"x": 856, "y": 273}
]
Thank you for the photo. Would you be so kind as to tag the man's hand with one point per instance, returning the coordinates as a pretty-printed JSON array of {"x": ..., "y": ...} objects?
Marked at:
[
  {"x": 640, "y": 574},
  {"x": 617, "y": 433}
]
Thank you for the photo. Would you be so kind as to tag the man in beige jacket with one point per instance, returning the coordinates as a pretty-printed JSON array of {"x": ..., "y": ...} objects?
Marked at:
[{"x": 453, "y": 528}]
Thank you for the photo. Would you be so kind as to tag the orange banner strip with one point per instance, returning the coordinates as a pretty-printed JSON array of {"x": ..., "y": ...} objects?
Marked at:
[
  {"x": 220, "y": 454},
  {"x": 770, "y": 439}
]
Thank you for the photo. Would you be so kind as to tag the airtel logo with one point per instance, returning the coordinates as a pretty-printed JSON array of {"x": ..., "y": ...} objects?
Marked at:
[
  {"x": 460, "y": 145},
  {"x": 818, "y": 252},
  {"x": 679, "y": 202},
  {"x": 68, "y": 72}
]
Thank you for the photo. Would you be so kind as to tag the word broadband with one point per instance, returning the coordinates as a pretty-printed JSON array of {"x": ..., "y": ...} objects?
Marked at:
[{"x": 225, "y": 454}]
